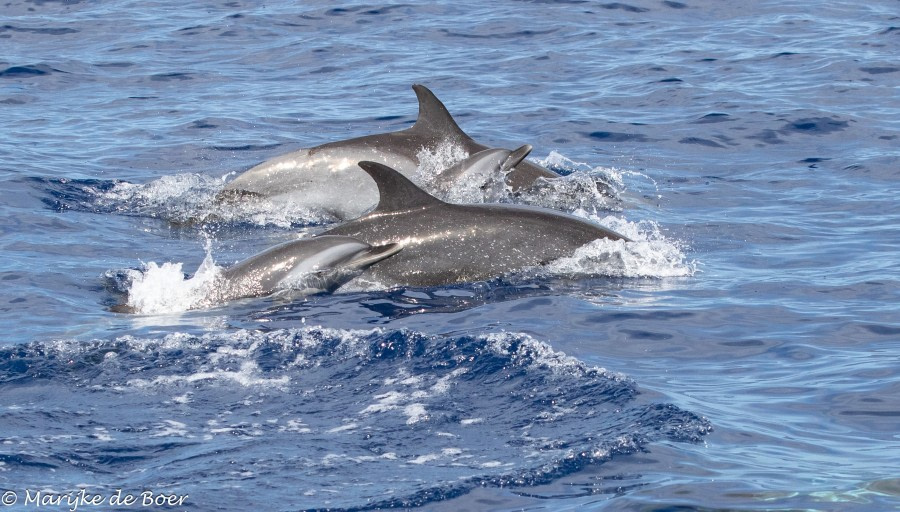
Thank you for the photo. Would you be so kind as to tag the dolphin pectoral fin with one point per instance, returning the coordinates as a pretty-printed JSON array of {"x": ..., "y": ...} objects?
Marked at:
[
  {"x": 434, "y": 118},
  {"x": 373, "y": 255},
  {"x": 396, "y": 192},
  {"x": 514, "y": 158}
]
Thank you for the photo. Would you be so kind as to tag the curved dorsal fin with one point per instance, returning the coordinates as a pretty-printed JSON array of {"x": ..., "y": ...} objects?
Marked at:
[
  {"x": 434, "y": 117},
  {"x": 396, "y": 192}
]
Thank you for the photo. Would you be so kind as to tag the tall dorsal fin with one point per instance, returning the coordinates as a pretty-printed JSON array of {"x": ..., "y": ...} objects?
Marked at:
[
  {"x": 396, "y": 192},
  {"x": 434, "y": 117}
]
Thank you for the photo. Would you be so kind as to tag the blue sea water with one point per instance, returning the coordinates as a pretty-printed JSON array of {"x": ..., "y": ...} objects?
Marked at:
[{"x": 745, "y": 354}]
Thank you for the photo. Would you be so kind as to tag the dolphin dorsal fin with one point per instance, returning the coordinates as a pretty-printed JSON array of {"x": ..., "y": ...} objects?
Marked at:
[
  {"x": 434, "y": 118},
  {"x": 396, "y": 192},
  {"x": 514, "y": 158}
]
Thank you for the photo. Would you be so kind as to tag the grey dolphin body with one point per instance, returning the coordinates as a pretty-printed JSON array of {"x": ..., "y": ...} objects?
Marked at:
[
  {"x": 325, "y": 178},
  {"x": 448, "y": 243},
  {"x": 312, "y": 265}
]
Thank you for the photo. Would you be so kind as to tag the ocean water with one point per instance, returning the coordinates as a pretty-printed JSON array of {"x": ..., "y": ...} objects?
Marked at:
[{"x": 743, "y": 353}]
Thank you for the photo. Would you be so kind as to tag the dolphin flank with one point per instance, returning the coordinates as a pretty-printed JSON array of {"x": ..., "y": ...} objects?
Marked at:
[{"x": 447, "y": 243}]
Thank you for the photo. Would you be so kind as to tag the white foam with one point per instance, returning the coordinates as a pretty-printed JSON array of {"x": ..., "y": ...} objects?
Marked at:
[
  {"x": 102, "y": 434},
  {"x": 343, "y": 428},
  {"x": 161, "y": 190},
  {"x": 295, "y": 426},
  {"x": 648, "y": 254},
  {"x": 247, "y": 376},
  {"x": 522, "y": 347},
  {"x": 191, "y": 199},
  {"x": 163, "y": 289},
  {"x": 422, "y": 459},
  {"x": 433, "y": 162},
  {"x": 385, "y": 402},
  {"x": 415, "y": 413},
  {"x": 446, "y": 453},
  {"x": 170, "y": 428}
]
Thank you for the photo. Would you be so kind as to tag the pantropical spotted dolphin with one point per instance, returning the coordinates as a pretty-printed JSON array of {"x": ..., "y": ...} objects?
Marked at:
[
  {"x": 447, "y": 243},
  {"x": 325, "y": 178}
]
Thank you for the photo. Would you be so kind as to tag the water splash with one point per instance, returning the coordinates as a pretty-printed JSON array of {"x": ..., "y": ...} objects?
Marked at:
[
  {"x": 579, "y": 186},
  {"x": 164, "y": 288},
  {"x": 188, "y": 200},
  {"x": 432, "y": 162},
  {"x": 649, "y": 253}
]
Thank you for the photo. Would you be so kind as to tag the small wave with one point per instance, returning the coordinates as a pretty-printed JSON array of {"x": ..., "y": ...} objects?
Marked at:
[{"x": 27, "y": 71}]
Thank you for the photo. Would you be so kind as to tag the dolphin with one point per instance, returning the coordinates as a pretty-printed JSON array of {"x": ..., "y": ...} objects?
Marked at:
[
  {"x": 483, "y": 173},
  {"x": 307, "y": 266},
  {"x": 323, "y": 178},
  {"x": 447, "y": 243},
  {"x": 300, "y": 267}
]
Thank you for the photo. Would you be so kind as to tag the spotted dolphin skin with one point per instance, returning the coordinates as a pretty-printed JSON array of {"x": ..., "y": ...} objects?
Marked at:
[
  {"x": 307, "y": 266},
  {"x": 447, "y": 243},
  {"x": 326, "y": 179}
]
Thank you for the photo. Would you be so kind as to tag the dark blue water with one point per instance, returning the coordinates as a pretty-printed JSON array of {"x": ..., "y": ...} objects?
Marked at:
[{"x": 742, "y": 354}]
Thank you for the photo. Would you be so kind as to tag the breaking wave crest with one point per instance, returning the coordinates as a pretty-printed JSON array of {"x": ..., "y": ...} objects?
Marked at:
[{"x": 314, "y": 412}]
